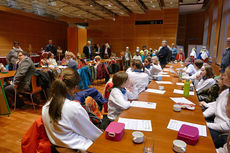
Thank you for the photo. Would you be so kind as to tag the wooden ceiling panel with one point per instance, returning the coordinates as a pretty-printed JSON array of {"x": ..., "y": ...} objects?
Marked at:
[{"x": 88, "y": 9}]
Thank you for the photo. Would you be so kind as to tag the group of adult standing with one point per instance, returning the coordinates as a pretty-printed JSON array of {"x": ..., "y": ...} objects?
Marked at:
[{"x": 96, "y": 50}]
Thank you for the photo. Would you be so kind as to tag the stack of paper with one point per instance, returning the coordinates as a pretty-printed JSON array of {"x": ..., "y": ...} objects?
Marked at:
[
  {"x": 134, "y": 124},
  {"x": 155, "y": 91},
  {"x": 166, "y": 69},
  {"x": 163, "y": 82},
  {"x": 181, "y": 100},
  {"x": 163, "y": 75},
  {"x": 143, "y": 104},
  {"x": 182, "y": 84},
  {"x": 182, "y": 92},
  {"x": 175, "y": 125}
]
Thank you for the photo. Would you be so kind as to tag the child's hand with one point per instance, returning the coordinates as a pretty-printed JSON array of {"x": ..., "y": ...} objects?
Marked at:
[{"x": 203, "y": 104}]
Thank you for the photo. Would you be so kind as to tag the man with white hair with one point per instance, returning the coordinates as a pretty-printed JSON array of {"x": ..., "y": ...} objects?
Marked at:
[
  {"x": 163, "y": 53},
  {"x": 87, "y": 50},
  {"x": 226, "y": 57}
]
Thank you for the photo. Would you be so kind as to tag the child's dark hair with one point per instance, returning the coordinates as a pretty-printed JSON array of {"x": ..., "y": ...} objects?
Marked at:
[
  {"x": 119, "y": 78},
  {"x": 198, "y": 63},
  {"x": 67, "y": 80},
  {"x": 139, "y": 65},
  {"x": 149, "y": 58},
  {"x": 209, "y": 71}
]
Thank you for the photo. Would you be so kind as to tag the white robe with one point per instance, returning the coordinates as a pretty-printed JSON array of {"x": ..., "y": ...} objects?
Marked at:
[
  {"x": 202, "y": 84},
  {"x": 139, "y": 79},
  {"x": 218, "y": 108},
  {"x": 118, "y": 101},
  {"x": 74, "y": 130}
]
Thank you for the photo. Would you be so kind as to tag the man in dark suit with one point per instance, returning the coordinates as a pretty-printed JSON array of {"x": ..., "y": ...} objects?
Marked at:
[
  {"x": 87, "y": 50},
  {"x": 22, "y": 77},
  {"x": 51, "y": 48},
  {"x": 163, "y": 53}
]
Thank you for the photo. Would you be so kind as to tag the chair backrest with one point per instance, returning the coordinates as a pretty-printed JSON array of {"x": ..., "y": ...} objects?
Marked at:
[{"x": 35, "y": 87}]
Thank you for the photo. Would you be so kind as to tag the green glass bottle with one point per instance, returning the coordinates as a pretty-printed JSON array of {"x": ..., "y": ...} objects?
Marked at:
[{"x": 186, "y": 88}]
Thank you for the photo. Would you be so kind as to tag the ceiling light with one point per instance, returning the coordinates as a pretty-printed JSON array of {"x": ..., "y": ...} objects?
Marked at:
[
  {"x": 109, "y": 5},
  {"x": 91, "y": 5}
]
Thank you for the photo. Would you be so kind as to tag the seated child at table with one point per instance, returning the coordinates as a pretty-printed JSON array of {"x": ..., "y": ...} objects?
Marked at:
[
  {"x": 197, "y": 65},
  {"x": 52, "y": 60},
  {"x": 210, "y": 94},
  {"x": 205, "y": 79},
  {"x": 180, "y": 56},
  {"x": 189, "y": 68},
  {"x": 45, "y": 59},
  {"x": 155, "y": 66},
  {"x": 66, "y": 122},
  {"x": 131, "y": 68},
  {"x": 139, "y": 78},
  {"x": 221, "y": 122},
  {"x": 119, "y": 96},
  {"x": 147, "y": 66}
]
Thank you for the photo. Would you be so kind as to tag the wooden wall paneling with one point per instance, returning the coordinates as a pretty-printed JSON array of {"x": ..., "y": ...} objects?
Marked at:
[
  {"x": 82, "y": 38},
  {"x": 123, "y": 32},
  {"x": 30, "y": 31},
  {"x": 72, "y": 39},
  {"x": 220, "y": 7},
  {"x": 223, "y": 30}
]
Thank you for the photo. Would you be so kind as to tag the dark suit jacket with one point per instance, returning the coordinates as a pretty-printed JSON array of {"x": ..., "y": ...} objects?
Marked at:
[
  {"x": 86, "y": 51},
  {"x": 103, "y": 52},
  {"x": 52, "y": 49},
  {"x": 24, "y": 73},
  {"x": 163, "y": 55}
]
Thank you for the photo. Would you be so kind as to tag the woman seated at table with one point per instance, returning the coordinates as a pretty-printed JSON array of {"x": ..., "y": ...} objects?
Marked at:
[
  {"x": 139, "y": 78},
  {"x": 221, "y": 122},
  {"x": 189, "y": 68},
  {"x": 97, "y": 61},
  {"x": 52, "y": 60},
  {"x": 45, "y": 59},
  {"x": 131, "y": 68},
  {"x": 180, "y": 56},
  {"x": 67, "y": 58},
  {"x": 205, "y": 79},
  {"x": 197, "y": 65},
  {"x": 66, "y": 122},
  {"x": 122, "y": 91},
  {"x": 155, "y": 66}
]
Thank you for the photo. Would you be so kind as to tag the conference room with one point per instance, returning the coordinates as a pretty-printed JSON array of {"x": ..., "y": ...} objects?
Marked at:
[{"x": 118, "y": 76}]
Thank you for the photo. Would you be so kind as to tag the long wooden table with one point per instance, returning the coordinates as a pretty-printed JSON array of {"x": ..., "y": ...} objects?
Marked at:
[
  {"x": 160, "y": 118},
  {"x": 6, "y": 75}
]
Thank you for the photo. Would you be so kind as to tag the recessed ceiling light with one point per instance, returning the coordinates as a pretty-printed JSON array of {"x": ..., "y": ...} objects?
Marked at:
[{"x": 109, "y": 5}]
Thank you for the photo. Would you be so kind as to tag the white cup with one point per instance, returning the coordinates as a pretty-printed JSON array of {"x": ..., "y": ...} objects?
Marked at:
[
  {"x": 179, "y": 146},
  {"x": 161, "y": 87},
  {"x": 176, "y": 108},
  {"x": 138, "y": 137}
]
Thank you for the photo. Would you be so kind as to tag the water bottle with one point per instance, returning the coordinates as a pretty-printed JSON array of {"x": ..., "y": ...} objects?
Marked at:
[{"x": 186, "y": 88}]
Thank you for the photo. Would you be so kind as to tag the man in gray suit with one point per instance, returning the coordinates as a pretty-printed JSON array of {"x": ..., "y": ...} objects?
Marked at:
[{"x": 22, "y": 77}]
